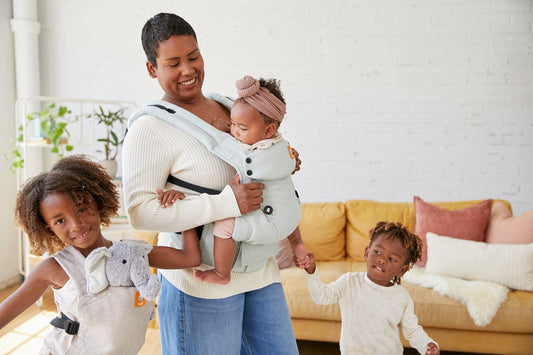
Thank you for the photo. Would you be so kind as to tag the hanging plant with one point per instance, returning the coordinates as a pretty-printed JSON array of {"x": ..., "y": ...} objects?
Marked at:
[{"x": 53, "y": 127}]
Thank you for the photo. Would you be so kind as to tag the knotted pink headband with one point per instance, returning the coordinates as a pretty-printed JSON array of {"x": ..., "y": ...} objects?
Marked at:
[{"x": 260, "y": 98}]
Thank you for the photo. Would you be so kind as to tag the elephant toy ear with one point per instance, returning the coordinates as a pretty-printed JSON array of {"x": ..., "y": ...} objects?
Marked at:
[{"x": 95, "y": 270}]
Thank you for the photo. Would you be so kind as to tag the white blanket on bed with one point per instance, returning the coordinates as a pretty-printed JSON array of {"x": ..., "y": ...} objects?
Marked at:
[{"x": 482, "y": 298}]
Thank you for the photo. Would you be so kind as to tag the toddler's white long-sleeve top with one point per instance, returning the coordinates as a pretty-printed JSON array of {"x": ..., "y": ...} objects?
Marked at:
[{"x": 371, "y": 314}]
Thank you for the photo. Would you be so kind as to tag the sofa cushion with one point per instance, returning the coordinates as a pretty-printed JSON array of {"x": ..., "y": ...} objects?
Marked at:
[
  {"x": 508, "y": 264},
  {"x": 322, "y": 228},
  {"x": 362, "y": 216},
  {"x": 465, "y": 223},
  {"x": 503, "y": 228}
]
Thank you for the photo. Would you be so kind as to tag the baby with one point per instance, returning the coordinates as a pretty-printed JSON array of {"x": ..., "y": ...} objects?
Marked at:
[{"x": 255, "y": 118}]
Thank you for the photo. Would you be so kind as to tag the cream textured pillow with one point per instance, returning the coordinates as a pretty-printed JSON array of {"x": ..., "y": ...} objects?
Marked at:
[{"x": 508, "y": 264}]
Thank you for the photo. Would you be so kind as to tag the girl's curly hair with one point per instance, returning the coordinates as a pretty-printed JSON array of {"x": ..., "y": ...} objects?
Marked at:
[
  {"x": 409, "y": 240},
  {"x": 83, "y": 181}
]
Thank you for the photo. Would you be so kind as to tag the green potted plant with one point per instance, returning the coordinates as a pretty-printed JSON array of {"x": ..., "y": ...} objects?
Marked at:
[
  {"x": 53, "y": 121},
  {"x": 110, "y": 119}
]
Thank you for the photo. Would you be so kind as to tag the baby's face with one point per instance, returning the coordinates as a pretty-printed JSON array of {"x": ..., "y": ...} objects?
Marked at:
[{"x": 247, "y": 124}]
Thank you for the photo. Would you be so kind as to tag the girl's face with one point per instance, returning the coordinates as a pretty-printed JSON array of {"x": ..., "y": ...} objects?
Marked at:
[
  {"x": 180, "y": 69},
  {"x": 385, "y": 258},
  {"x": 247, "y": 124},
  {"x": 79, "y": 227}
]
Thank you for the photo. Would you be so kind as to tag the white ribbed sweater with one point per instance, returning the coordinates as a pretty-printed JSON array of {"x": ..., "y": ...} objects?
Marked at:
[{"x": 153, "y": 149}]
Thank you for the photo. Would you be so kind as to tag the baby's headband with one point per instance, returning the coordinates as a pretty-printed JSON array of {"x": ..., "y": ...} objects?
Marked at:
[{"x": 260, "y": 98}]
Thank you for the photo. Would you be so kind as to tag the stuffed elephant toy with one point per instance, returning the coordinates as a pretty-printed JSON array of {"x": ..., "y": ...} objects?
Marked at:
[{"x": 125, "y": 263}]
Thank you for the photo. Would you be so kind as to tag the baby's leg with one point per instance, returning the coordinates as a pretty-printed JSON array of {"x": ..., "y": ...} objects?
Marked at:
[{"x": 224, "y": 253}]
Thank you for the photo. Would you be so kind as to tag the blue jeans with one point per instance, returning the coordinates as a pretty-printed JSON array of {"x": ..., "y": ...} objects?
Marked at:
[{"x": 250, "y": 323}]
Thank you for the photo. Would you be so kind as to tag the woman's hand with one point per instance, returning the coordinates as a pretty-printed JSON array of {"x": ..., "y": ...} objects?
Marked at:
[
  {"x": 249, "y": 196},
  {"x": 298, "y": 161}
]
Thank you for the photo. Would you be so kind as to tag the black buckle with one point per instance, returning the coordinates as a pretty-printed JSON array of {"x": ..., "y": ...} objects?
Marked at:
[{"x": 70, "y": 326}]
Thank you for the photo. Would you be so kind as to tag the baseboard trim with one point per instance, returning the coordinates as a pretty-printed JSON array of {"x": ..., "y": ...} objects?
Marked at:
[{"x": 10, "y": 281}]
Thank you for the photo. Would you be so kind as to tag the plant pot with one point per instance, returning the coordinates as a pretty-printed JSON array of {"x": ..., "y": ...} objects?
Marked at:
[{"x": 110, "y": 166}]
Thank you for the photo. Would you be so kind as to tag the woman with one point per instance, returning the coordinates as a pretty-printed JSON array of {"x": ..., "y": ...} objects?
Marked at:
[{"x": 249, "y": 314}]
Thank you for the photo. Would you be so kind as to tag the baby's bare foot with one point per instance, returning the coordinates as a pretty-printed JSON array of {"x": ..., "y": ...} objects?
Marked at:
[{"x": 213, "y": 276}]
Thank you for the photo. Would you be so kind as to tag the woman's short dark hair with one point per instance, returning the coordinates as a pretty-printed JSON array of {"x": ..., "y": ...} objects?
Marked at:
[{"x": 159, "y": 29}]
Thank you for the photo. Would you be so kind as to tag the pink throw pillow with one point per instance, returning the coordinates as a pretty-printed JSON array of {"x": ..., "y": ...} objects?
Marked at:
[
  {"x": 467, "y": 223},
  {"x": 503, "y": 228}
]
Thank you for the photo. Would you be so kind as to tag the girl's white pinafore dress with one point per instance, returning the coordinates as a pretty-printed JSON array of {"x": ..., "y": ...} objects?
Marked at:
[{"x": 113, "y": 321}]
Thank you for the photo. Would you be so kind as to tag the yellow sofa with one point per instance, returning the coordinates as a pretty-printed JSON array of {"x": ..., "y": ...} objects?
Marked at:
[{"x": 337, "y": 232}]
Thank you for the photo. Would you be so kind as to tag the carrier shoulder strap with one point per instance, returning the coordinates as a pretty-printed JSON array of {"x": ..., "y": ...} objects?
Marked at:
[{"x": 187, "y": 185}]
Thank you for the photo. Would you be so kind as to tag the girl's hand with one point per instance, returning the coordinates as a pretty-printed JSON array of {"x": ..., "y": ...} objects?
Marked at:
[
  {"x": 248, "y": 196},
  {"x": 432, "y": 349},
  {"x": 167, "y": 198}
]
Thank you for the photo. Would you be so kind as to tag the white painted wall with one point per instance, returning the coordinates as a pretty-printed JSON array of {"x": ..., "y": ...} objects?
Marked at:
[
  {"x": 8, "y": 239},
  {"x": 386, "y": 99}
]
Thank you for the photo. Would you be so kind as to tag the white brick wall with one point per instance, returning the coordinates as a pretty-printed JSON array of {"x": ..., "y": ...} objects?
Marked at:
[{"x": 386, "y": 99}]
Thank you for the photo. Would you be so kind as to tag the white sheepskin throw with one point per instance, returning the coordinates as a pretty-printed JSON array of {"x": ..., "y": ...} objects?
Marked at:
[{"x": 482, "y": 298}]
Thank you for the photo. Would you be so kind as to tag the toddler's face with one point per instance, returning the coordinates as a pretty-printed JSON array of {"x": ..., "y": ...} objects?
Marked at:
[
  {"x": 247, "y": 124},
  {"x": 385, "y": 258}
]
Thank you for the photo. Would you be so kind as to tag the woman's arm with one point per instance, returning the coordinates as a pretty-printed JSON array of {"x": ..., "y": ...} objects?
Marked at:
[{"x": 152, "y": 150}]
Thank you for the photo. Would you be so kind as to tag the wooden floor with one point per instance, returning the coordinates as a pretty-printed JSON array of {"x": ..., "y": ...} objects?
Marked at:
[{"x": 24, "y": 335}]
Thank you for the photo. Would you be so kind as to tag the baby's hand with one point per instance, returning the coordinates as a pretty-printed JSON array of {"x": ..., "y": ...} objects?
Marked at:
[
  {"x": 301, "y": 256},
  {"x": 222, "y": 124},
  {"x": 432, "y": 349},
  {"x": 167, "y": 198}
]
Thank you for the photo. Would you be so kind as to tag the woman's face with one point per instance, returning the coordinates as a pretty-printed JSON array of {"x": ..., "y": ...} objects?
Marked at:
[{"x": 180, "y": 69}]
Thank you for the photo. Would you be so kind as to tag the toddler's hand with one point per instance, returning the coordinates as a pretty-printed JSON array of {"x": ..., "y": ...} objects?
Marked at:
[
  {"x": 167, "y": 198},
  {"x": 432, "y": 349},
  {"x": 311, "y": 266}
]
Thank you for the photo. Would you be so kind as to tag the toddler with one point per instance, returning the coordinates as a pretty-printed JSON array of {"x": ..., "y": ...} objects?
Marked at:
[{"x": 373, "y": 303}]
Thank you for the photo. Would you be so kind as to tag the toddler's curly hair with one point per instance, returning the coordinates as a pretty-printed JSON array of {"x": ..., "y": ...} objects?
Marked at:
[
  {"x": 409, "y": 240},
  {"x": 83, "y": 182}
]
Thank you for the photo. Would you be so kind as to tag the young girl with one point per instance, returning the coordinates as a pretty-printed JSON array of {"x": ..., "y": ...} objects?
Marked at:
[
  {"x": 255, "y": 119},
  {"x": 62, "y": 211},
  {"x": 373, "y": 303}
]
